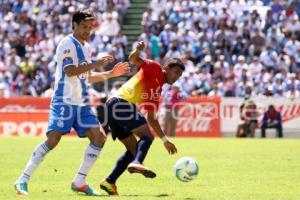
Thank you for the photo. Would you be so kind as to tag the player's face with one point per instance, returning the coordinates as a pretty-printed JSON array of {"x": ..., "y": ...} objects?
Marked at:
[
  {"x": 84, "y": 29},
  {"x": 172, "y": 74}
]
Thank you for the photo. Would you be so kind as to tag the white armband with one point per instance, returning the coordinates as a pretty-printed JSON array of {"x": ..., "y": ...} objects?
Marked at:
[{"x": 164, "y": 139}]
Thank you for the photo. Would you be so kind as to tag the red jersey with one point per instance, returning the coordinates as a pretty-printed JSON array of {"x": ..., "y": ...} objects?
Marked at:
[{"x": 144, "y": 88}]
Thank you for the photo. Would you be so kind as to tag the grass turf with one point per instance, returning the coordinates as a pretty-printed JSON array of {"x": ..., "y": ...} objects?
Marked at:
[{"x": 233, "y": 169}]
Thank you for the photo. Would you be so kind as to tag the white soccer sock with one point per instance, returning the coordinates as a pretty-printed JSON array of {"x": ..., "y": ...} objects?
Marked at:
[
  {"x": 90, "y": 157},
  {"x": 36, "y": 158}
]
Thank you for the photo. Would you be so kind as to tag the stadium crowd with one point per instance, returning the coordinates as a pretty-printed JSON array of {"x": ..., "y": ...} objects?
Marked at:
[
  {"x": 228, "y": 45},
  {"x": 30, "y": 31}
]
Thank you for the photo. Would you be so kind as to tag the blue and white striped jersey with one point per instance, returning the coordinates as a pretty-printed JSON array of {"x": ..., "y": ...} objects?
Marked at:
[{"x": 71, "y": 90}]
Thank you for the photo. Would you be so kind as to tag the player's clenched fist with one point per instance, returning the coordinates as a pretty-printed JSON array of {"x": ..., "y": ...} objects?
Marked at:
[{"x": 140, "y": 46}]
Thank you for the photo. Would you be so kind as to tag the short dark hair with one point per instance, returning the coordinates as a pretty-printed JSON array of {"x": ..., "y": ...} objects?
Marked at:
[
  {"x": 175, "y": 62},
  {"x": 83, "y": 15},
  {"x": 271, "y": 106}
]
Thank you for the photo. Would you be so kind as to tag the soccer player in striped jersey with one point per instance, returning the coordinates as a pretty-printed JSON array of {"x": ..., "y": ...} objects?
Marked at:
[
  {"x": 69, "y": 105},
  {"x": 142, "y": 91}
]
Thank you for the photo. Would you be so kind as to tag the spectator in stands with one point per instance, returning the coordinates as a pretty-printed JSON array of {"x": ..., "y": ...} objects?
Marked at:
[
  {"x": 4, "y": 92},
  {"x": 176, "y": 16},
  {"x": 147, "y": 19},
  {"x": 166, "y": 36},
  {"x": 269, "y": 59},
  {"x": 291, "y": 46},
  {"x": 222, "y": 64},
  {"x": 258, "y": 41},
  {"x": 158, "y": 6},
  {"x": 277, "y": 85},
  {"x": 154, "y": 47},
  {"x": 207, "y": 65},
  {"x": 174, "y": 50},
  {"x": 111, "y": 10},
  {"x": 292, "y": 93},
  {"x": 121, "y": 39},
  {"x": 122, "y": 7},
  {"x": 271, "y": 119},
  {"x": 110, "y": 26},
  {"x": 240, "y": 66},
  {"x": 215, "y": 92},
  {"x": 186, "y": 84},
  {"x": 255, "y": 67},
  {"x": 229, "y": 87},
  {"x": 239, "y": 46}
]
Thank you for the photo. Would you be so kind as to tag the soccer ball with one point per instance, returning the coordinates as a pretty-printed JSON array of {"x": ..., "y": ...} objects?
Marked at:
[{"x": 186, "y": 169}]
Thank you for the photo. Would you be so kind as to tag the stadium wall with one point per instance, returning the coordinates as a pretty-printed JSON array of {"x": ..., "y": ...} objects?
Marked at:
[{"x": 198, "y": 117}]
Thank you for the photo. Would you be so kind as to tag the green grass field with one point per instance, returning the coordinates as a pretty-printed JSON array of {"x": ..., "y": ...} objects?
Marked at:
[{"x": 229, "y": 169}]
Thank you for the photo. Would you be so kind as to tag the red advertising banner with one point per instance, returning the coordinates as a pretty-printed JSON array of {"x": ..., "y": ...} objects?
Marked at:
[
  {"x": 24, "y": 104},
  {"x": 23, "y": 124},
  {"x": 26, "y": 116},
  {"x": 199, "y": 117}
]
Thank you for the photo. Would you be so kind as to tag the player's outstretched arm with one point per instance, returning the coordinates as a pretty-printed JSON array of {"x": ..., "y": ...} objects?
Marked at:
[
  {"x": 134, "y": 56},
  {"x": 118, "y": 70},
  {"x": 154, "y": 124},
  {"x": 72, "y": 70}
]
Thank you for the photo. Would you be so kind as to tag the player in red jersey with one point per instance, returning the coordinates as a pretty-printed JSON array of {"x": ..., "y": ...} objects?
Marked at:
[{"x": 142, "y": 91}]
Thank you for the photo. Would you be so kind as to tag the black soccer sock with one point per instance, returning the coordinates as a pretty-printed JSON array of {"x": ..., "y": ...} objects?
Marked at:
[
  {"x": 142, "y": 148},
  {"x": 120, "y": 167}
]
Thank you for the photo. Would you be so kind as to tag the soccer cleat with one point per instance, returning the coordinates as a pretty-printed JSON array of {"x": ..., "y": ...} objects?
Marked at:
[
  {"x": 86, "y": 189},
  {"x": 139, "y": 168},
  {"x": 21, "y": 188},
  {"x": 111, "y": 189}
]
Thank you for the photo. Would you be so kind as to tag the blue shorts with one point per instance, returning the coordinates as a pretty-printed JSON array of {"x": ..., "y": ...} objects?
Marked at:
[
  {"x": 63, "y": 117},
  {"x": 123, "y": 117}
]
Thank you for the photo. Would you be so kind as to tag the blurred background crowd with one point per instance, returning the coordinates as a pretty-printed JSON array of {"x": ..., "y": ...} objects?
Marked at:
[
  {"x": 230, "y": 47},
  {"x": 30, "y": 31}
]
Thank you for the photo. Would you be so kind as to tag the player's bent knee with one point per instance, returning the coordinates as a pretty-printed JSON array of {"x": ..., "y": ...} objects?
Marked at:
[
  {"x": 132, "y": 151},
  {"x": 99, "y": 139},
  {"x": 131, "y": 148},
  {"x": 52, "y": 141},
  {"x": 96, "y": 136}
]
